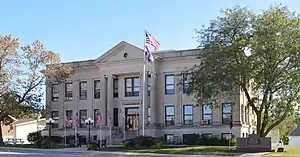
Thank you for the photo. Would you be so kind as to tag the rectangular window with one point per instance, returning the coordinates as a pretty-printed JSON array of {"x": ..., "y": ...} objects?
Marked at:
[
  {"x": 97, "y": 89},
  {"x": 116, "y": 87},
  {"x": 169, "y": 138},
  {"x": 169, "y": 84},
  {"x": 188, "y": 114},
  {"x": 186, "y": 80},
  {"x": 68, "y": 91},
  {"x": 96, "y": 114},
  {"x": 226, "y": 113},
  {"x": 116, "y": 117},
  {"x": 149, "y": 84},
  {"x": 207, "y": 111},
  {"x": 132, "y": 87},
  {"x": 55, "y": 92},
  {"x": 169, "y": 115},
  {"x": 227, "y": 136},
  {"x": 207, "y": 135},
  {"x": 83, "y": 117},
  {"x": 83, "y": 90},
  {"x": 149, "y": 113},
  {"x": 226, "y": 86},
  {"x": 68, "y": 122},
  {"x": 55, "y": 117}
]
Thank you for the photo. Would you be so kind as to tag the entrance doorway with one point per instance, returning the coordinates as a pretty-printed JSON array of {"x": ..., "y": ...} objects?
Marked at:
[{"x": 132, "y": 118}]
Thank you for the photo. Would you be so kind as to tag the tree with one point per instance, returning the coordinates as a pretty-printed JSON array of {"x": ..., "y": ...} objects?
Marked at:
[
  {"x": 258, "y": 55},
  {"x": 23, "y": 71},
  {"x": 286, "y": 127}
]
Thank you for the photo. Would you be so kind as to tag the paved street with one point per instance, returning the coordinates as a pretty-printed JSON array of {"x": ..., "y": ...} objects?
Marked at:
[{"x": 16, "y": 152}]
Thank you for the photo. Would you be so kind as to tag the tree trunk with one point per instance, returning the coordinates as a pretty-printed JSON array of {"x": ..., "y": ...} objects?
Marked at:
[
  {"x": 258, "y": 126},
  {"x": 1, "y": 136}
]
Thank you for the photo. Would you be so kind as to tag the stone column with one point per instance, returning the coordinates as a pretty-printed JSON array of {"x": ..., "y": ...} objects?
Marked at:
[
  {"x": 61, "y": 112},
  {"x": 103, "y": 108},
  {"x": 153, "y": 102},
  {"x": 110, "y": 104}
]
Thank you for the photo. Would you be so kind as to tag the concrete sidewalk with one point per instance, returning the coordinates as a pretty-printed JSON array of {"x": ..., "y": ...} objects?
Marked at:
[{"x": 84, "y": 150}]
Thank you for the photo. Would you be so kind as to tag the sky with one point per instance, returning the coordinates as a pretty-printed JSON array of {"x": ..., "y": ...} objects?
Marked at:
[{"x": 80, "y": 30}]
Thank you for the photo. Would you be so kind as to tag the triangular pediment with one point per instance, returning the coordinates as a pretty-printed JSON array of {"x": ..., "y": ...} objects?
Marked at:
[{"x": 121, "y": 52}]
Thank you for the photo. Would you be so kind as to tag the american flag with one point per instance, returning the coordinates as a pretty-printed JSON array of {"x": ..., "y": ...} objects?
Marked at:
[
  {"x": 152, "y": 41},
  {"x": 76, "y": 121},
  {"x": 149, "y": 54},
  {"x": 67, "y": 121},
  {"x": 99, "y": 119}
]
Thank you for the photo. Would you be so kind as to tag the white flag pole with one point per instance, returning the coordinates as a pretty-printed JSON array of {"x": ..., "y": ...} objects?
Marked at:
[
  {"x": 100, "y": 132},
  {"x": 65, "y": 134},
  {"x": 144, "y": 80}
]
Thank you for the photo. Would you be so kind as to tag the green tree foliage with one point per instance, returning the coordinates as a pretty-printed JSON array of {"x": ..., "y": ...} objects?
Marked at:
[
  {"x": 258, "y": 55},
  {"x": 22, "y": 75},
  {"x": 287, "y": 126}
]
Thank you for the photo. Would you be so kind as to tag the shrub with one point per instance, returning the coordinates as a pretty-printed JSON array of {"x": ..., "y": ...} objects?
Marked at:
[
  {"x": 158, "y": 144},
  {"x": 214, "y": 141},
  {"x": 140, "y": 142},
  {"x": 34, "y": 137},
  {"x": 191, "y": 139}
]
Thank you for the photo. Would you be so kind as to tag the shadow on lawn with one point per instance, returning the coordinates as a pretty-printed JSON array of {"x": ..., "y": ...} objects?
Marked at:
[{"x": 189, "y": 150}]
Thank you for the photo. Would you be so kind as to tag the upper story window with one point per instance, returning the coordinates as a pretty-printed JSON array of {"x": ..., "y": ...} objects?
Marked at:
[
  {"x": 226, "y": 86},
  {"x": 55, "y": 92},
  {"x": 132, "y": 86},
  {"x": 83, "y": 90},
  {"x": 55, "y": 117},
  {"x": 169, "y": 115},
  {"x": 68, "y": 91},
  {"x": 186, "y": 80},
  {"x": 207, "y": 114},
  {"x": 149, "y": 84},
  {"x": 226, "y": 113},
  {"x": 97, "y": 89},
  {"x": 115, "y": 87},
  {"x": 169, "y": 84},
  {"x": 188, "y": 114}
]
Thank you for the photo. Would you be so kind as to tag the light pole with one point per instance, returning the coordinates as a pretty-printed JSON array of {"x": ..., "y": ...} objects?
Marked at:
[
  {"x": 50, "y": 121},
  {"x": 89, "y": 121}
]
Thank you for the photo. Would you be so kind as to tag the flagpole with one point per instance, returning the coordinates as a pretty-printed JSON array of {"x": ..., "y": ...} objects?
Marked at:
[
  {"x": 100, "y": 135},
  {"x": 144, "y": 80},
  {"x": 65, "y": 134}
]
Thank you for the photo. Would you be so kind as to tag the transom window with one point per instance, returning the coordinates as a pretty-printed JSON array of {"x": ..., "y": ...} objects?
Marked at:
[
  {"x": 226, "y": 113},
  {"x": 188, "y": 114},
  {"x": 132, "y": 87},
  {"x": 207, "y": 111},
  {"x": 169, "y": 84},
  {"x": 169, "y": 115},
  {"x": 83, "y": 90}
]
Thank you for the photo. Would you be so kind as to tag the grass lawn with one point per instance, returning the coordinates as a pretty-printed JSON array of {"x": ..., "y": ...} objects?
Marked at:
[
  {"x": 288, "y": 151},
  {"x": 54, "y": 146},
  {"x": 191, "y": 150}
]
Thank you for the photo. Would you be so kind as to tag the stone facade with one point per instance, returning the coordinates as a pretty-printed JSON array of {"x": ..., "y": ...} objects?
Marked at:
[{"x": 99, "y": 86}]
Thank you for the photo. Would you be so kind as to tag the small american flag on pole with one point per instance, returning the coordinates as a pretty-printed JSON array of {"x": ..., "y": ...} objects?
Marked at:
[
  {"x": 76, "y": 121},
  {"x": 67, "y": 122},
  {"x": 99, "y": 119},
  {"x": 152, "y": 41}
]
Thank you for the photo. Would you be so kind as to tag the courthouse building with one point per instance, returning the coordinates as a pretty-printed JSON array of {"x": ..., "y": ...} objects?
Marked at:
[{"x": 112, "y": 85}]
